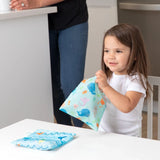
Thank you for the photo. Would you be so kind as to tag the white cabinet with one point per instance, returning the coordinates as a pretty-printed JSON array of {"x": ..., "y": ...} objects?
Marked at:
[
  {"x": 25, "y": 83},
  {"x": 101, "y": 18}
]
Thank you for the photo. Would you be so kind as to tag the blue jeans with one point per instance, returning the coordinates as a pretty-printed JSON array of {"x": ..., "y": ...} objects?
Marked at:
[{"x": 68, "y": 52}]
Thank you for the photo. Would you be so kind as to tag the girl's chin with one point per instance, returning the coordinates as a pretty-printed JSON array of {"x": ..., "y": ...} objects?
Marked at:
[{"x": 112, "y": 69}]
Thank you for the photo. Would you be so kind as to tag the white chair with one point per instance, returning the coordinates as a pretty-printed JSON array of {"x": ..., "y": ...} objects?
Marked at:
[{"x": 154, "y": 81}]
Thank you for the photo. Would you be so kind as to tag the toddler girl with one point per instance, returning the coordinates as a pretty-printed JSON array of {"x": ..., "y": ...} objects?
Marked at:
[{"x": 123, "y": 79}]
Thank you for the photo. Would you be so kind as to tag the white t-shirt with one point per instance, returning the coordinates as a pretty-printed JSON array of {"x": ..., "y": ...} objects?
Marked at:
[{"x": 114, "y": 120}]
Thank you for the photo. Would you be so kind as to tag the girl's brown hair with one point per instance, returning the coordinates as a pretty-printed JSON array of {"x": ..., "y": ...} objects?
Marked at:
[{"x": 130, "y": 36}]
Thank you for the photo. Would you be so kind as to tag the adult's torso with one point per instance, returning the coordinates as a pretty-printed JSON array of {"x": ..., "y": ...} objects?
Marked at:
[{"x": 70, "y": 12}]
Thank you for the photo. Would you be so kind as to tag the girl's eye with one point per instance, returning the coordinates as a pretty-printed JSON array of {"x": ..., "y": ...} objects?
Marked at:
[
  {"x": 119, "y": 51},
  {"x": 106, "y": 51}
]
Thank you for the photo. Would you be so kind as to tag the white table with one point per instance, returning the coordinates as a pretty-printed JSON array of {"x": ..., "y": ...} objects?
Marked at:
[{"x": 88, "y": 144}]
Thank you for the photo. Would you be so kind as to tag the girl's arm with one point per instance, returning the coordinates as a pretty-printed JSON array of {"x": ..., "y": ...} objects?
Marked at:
[
  {"x": 30, "y": 4},
  {"x": 125, "y": 103}
]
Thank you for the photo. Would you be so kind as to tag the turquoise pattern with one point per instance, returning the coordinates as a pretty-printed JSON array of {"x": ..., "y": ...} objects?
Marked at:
[
  {"x": 91, "y": 87},
  {"x": 84, "y": 112},
  {"x": 45, "y": 140},
  {"x": 86, "y": 103}
]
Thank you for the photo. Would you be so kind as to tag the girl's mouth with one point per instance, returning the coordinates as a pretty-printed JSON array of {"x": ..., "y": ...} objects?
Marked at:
[{"x": 112, "y": 63}]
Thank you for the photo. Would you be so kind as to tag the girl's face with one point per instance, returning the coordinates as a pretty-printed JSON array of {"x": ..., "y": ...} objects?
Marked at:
[{"x": 116, "y": 55}]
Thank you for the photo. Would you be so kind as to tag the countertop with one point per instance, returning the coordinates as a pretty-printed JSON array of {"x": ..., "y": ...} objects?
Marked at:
[
  {"x": 24, "y": 13},
  {"x": 32, "y": 12}
]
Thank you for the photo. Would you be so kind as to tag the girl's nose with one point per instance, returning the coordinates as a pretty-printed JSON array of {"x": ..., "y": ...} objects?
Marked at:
[{"x": 112, "y": 55}]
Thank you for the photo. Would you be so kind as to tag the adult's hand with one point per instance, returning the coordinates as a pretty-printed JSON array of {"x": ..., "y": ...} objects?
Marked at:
[
  {"x": 30, "y": 4},
  {"x": 24, "y": 4}
]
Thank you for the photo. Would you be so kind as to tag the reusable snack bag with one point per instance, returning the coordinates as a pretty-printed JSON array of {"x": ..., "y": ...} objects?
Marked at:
[
  {"x": 86, "y": 102},
  {"x": 45, "y": 140}
]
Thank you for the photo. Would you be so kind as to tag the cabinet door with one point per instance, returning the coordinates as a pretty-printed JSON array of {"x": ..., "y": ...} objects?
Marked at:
[{"x": 25, "y": 83}]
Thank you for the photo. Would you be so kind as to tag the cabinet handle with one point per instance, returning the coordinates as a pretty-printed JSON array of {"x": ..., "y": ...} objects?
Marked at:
[{"x": 138, "y": 6}]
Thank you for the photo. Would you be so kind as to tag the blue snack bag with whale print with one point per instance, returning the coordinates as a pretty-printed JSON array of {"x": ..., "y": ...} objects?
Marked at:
[
  {"x": 45, "y": 140},
  {"x": 86, "y": 103}
]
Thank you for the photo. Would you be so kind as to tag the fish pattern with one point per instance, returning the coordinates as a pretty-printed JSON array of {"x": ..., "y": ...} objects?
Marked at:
[
  {"x": 84, "y": 112},
  {"x": 91, "y": 88},
  {"x": 45, "y": 140},
  {"x": 86, "y": 103}
]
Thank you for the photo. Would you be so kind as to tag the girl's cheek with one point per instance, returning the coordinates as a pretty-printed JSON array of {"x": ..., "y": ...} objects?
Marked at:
[{"x": 104, "y": 59}]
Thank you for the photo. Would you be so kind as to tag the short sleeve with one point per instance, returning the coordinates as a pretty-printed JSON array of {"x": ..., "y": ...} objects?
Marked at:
[{"x": 135, "y": 85}]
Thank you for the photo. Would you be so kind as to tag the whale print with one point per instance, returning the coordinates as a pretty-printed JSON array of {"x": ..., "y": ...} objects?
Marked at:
[
  {"x": 84, "y": 113},
  {"x": 91, "y": 87}
]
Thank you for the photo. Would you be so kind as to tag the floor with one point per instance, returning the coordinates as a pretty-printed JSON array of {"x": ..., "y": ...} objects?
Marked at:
[{"x": 144, "y": 125}]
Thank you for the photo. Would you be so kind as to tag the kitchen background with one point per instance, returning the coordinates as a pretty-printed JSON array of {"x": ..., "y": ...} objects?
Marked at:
[
  {"x": 146, "y": 15},
  {"x": 103, "y": 14},
  {"x": 25, "y": 87}
]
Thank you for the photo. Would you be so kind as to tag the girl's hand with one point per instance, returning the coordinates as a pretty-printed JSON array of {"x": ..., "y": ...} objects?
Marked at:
[{"x": 101, "y": 80}]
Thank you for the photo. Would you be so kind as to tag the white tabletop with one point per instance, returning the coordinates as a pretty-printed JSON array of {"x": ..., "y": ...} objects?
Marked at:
[
  {"x": 87, "y": 145},
  {"x": 5, "y": 15}
]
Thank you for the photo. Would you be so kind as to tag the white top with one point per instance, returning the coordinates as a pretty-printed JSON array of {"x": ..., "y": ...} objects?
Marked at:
[{"x": 114, "y": 120}]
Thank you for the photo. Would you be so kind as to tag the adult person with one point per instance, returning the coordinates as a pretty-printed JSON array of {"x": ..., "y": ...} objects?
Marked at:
[{"x": 68, "y": 35}]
